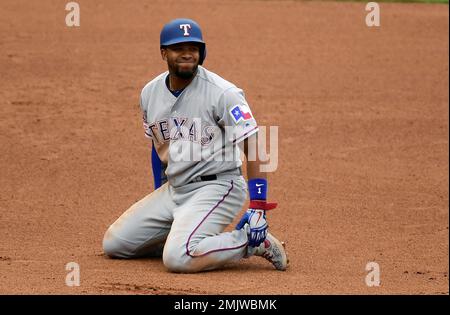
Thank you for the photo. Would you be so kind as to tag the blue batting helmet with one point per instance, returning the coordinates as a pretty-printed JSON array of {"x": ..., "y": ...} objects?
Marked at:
[{"x": 183, "y": 31}]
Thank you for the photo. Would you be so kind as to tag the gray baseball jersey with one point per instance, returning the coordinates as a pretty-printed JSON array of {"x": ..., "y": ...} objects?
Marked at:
[{"x": 196, "y": 133}]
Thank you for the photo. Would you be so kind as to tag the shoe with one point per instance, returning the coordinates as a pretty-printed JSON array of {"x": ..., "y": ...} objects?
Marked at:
[{"x": 274, "y": 251}]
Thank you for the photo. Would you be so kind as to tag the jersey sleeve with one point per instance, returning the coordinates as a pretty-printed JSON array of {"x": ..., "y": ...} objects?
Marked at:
[
  {"x": 147, "y": 130},
  {"x": 235, "y": 116},
  {"x": 141, "y": 102},
  {"x": 158, "y": 168}
]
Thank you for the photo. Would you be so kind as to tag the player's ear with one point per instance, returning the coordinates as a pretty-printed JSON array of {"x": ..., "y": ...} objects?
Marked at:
[{"x": 164, "y": 54}]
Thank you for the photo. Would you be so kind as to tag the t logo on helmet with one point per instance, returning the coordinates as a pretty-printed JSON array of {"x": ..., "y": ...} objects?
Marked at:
[{"x": 185, "y": 27}]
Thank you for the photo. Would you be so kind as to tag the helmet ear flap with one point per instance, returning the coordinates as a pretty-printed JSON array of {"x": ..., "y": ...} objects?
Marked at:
[{"x": 202, "y": 55}]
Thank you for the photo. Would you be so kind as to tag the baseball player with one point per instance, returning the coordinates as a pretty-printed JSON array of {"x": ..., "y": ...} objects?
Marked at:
[{"x": 199, "y": 124}]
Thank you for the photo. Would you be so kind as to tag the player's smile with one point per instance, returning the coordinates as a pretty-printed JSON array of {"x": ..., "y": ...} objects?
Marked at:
[
  {"x": 186, "y": 66},
  {"x": 186, "y": 52},
  {"x": 186, "y": 63},
  {"x": 187, "y": 60}
]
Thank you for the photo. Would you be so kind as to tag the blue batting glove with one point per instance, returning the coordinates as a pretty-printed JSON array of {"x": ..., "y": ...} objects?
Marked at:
[{"x": 256, "y": 219}]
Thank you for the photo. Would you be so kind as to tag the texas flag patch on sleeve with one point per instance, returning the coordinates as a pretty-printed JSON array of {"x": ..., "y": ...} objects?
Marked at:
[{"x": 240, "y": 112}]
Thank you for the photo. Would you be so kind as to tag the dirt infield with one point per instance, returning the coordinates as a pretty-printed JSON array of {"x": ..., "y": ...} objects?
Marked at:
[{"x": 363, "y": 151}]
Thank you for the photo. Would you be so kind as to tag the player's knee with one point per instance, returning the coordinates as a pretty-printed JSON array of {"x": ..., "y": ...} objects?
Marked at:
[
  {"x": 113, "y": 246},
  {"x": 176, "y": 259},
  {"x": 177, "y": 263}
]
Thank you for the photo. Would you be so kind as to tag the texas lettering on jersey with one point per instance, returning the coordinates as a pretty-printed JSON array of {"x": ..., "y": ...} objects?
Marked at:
[{"x": 178, "y": 128}]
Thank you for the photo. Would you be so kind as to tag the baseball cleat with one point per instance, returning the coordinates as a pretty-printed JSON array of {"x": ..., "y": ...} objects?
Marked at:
[{"x": 274, "y": 251}]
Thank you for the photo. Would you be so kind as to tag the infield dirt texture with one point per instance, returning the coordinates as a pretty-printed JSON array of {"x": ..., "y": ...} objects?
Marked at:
[{"x": 363, "y": 141}]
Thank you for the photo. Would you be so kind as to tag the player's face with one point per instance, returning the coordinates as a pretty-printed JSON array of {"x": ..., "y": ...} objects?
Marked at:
[{"x": 182, "y": 59}]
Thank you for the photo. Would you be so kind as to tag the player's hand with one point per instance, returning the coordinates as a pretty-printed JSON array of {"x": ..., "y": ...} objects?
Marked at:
[{"x": 256, "y": 219}]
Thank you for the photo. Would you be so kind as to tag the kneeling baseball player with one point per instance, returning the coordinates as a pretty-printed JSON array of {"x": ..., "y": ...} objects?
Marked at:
[{"x": 198, "y": 123}]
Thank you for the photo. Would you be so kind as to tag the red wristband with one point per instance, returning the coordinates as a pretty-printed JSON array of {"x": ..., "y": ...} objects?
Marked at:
[{"x": 262, "y": 205}]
